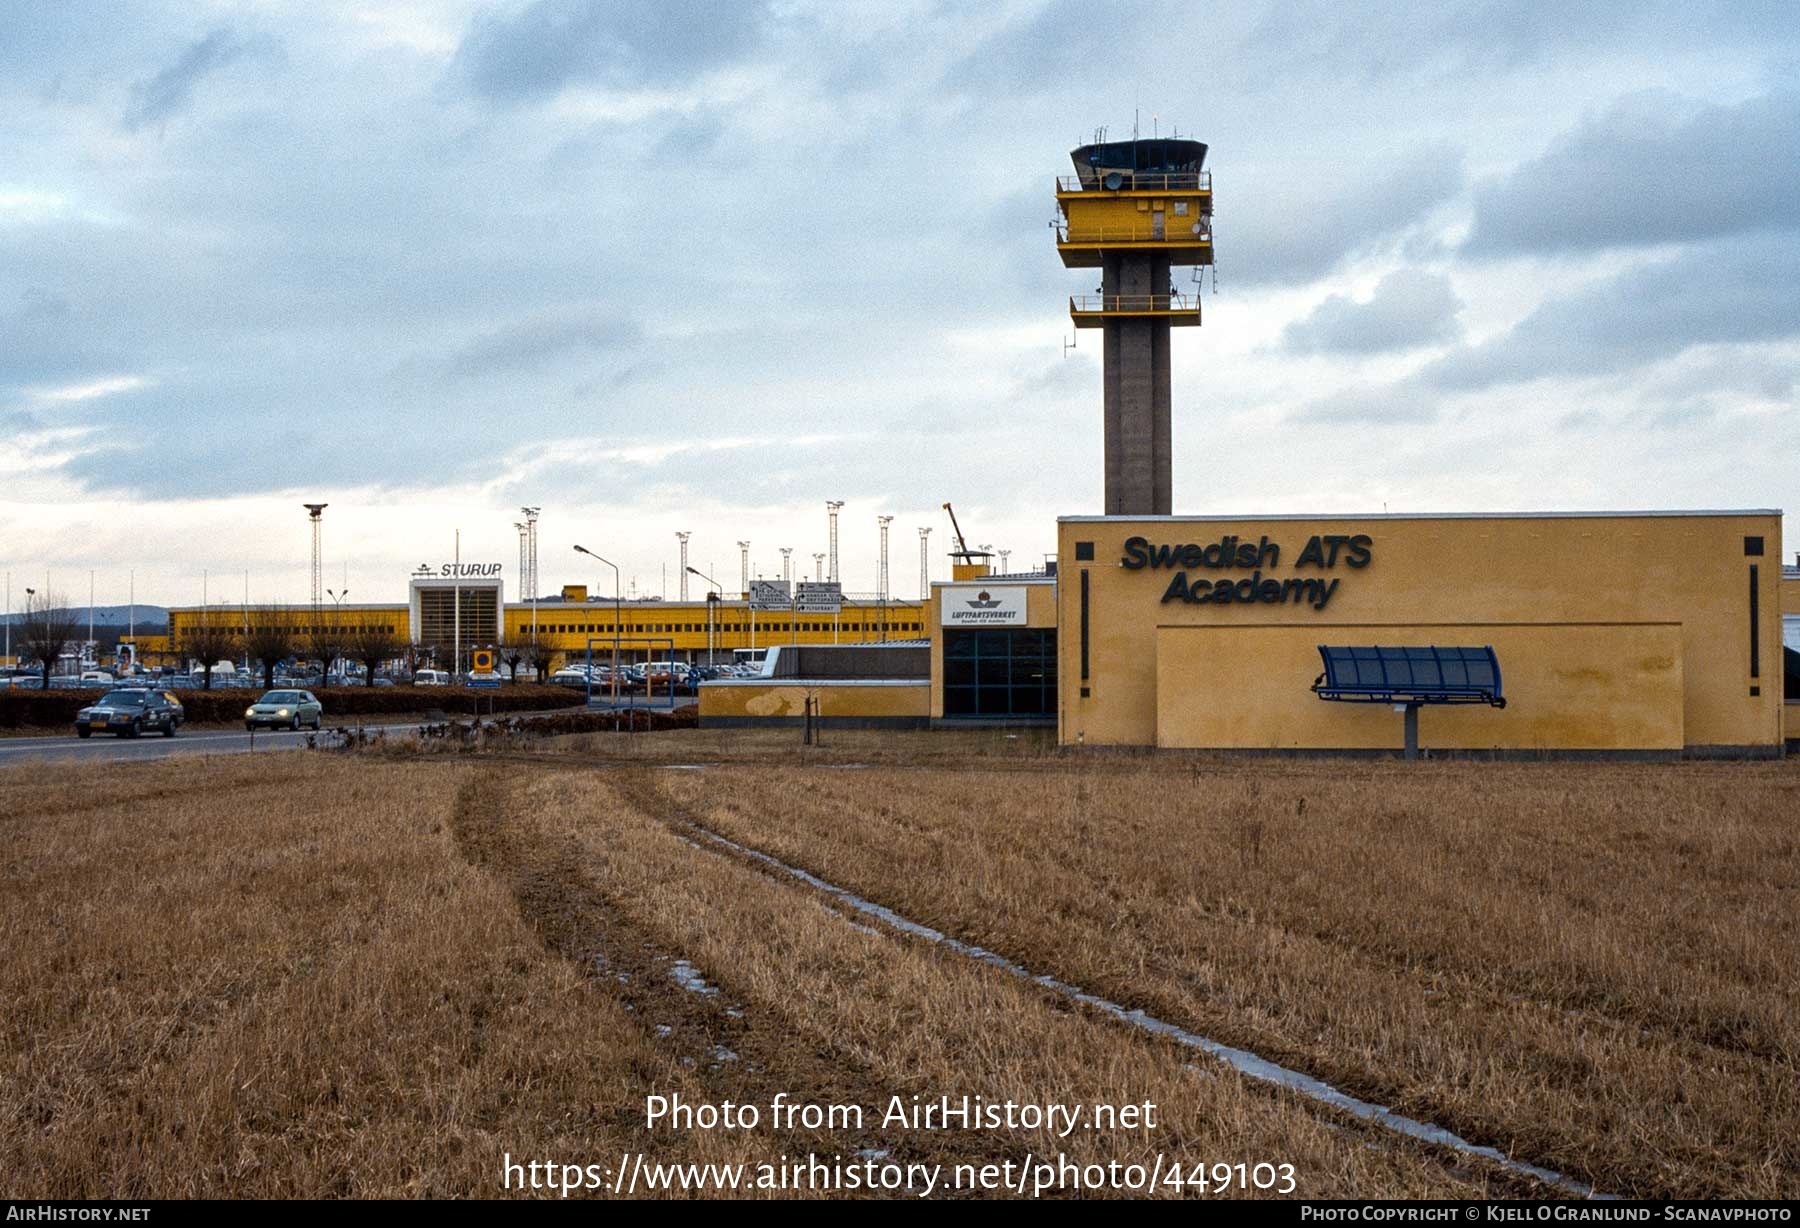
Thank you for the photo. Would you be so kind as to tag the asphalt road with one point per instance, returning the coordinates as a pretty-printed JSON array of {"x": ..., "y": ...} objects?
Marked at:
[
  {"x": 108, "y": 748},
  {"x": 103, "y": 747}
]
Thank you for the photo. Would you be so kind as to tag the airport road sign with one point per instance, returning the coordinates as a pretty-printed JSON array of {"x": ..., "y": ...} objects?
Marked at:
[
  {"x": 770, "y": 595},
  {"x": 819, "y": 597}
]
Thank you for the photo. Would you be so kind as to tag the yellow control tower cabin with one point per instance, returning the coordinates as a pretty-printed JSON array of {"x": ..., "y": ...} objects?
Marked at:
[{"x": 1133, "y": 210}]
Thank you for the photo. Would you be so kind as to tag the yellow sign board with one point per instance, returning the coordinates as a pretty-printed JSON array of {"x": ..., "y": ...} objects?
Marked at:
[{"x": 481, "y": 661}]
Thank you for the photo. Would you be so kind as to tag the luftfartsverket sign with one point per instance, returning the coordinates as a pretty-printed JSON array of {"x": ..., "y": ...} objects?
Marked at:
[
  {"x": 986, "y": 607},
  {"x": 1322, "y": 552}
]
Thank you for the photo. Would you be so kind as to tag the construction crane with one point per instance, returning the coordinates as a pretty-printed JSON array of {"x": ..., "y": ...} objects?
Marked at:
[{"x": 962, "y": 555}]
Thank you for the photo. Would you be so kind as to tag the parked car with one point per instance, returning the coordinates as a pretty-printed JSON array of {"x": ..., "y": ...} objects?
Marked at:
[
  {"x": 131, "y": 712},
  {"x": 284, "y": 710},
  {"x": 431, "y": 677}
]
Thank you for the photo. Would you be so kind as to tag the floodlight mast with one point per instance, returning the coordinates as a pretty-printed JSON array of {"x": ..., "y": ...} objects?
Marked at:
[
  {"x": 832, "y": 507},
  {"x": 314, "y": 512},
  {"x": 924, "y": 563}
]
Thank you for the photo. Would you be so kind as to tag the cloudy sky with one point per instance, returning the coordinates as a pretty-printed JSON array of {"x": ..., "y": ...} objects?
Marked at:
[{"x": 705, "y": 266}]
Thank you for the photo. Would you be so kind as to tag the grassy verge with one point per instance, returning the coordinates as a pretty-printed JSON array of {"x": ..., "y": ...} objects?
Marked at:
[{"x": 1588, "y": 966}]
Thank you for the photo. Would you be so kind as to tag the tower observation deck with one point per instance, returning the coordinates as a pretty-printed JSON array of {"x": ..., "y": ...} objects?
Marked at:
[{"x": 1134, "y": 210}]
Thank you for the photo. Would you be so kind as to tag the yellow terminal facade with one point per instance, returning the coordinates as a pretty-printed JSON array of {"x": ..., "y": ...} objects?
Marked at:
[{"x": 647, "y": 630}]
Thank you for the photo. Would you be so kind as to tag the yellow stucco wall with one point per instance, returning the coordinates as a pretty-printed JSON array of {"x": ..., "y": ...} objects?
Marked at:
[
  {"x": 737, "y": 700},
  {"x": 1552, "y": 593},
  {"x": 1040, "y": 611},
  {"x": 1790, "y": 605},
  {"x": 1567, "y": 687}
]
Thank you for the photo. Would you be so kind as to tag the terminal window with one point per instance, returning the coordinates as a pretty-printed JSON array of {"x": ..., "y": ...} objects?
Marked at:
[
  {"x": 997, "y": 674},
  {"x": 480, "y": 621}
]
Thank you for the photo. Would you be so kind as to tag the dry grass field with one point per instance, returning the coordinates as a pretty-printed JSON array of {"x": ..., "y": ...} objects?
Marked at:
[{"x": 377, "y": 975}]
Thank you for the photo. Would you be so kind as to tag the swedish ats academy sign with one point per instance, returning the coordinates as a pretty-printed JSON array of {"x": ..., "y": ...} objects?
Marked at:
[{"x": 1252, "y": 567}]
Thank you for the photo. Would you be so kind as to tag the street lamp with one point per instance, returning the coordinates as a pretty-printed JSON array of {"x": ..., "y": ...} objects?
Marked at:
[
  {"x": 618, "y": 620},
  {"x": 712, "y": 603},
  {"x": 337, "y": 602}
]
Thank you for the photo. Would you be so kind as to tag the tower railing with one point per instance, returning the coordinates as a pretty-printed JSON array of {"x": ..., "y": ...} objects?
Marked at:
[
  {"x": 1139, "y": 181},
  {"x": 1180, "y": 233},
  {"x": 1134, "y": 302}
]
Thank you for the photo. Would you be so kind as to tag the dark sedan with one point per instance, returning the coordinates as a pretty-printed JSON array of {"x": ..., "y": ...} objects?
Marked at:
[{"x": 130, "y": 713}]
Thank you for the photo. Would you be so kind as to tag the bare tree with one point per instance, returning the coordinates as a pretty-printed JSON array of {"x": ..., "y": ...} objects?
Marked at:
[
  {"x": 373, "y": 645},
  {"x": 524, "y": 653},
  {"x": 325, "y": 641},
  {"x": 207, "y": 642},
  {"x": 49, "y": 627},
  {"x": 271, "y": 640}
]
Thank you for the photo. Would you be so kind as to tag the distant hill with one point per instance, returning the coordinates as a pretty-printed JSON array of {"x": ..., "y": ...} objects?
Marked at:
[{"x": 112, "y": 617}]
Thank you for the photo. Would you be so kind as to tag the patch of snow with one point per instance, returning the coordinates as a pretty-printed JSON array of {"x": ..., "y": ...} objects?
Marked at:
[
  {"x": 1242, "y": 1060},
  {"x": 685, "y": 975}
]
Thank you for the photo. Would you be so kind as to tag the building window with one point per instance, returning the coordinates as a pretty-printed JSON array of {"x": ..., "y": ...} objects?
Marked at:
[{"x": 1000, "y": 674}]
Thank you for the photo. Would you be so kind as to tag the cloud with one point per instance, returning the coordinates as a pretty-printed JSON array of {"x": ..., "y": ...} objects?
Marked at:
[
  {"x": 1491, "y": 38},
  {"x": 1732, "y": 291},
  {"x": 1298, "y": 224},
  {"x": 1408, "y": 308},
  {"x": 162, "y": 96},
  {"x": 1399, "y": 404},
  {"x": 1650, "y": 170},
  {"x": 542, "y": 339},
  {"x": 536, "y": 51},
  {"x": 1055, "y": 43}
]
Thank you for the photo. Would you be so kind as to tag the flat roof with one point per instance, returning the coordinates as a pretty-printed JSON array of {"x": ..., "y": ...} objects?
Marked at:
[
  {"x": 1030, "y": 577},
  {"x": 1203, "y": 519}
]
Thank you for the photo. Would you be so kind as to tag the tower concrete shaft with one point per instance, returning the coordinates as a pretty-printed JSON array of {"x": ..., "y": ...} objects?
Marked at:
[{"x": 1136, "y": 390}]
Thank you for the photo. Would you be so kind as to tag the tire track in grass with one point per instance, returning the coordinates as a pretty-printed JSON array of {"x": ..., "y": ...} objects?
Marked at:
[
  {"x": 727, "y": 1051},
  {"x": 1246, "y": 1063}
]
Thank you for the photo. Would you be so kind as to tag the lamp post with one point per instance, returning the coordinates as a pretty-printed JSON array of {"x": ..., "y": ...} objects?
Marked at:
[
  {"x": 712, "y": 603},
  {"x": 337, "y": 603},
  {"x": 618, "y": 621}
]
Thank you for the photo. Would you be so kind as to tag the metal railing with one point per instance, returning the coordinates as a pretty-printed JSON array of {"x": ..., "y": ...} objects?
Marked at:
[
  {"x": 1133, "y": 302},
  {"x": 1139, "y": 181},
  {"x": 1182, "y": 231}
]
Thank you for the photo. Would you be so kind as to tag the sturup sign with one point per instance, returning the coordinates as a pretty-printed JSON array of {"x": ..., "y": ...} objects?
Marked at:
[{"x": 984, "y": 607}]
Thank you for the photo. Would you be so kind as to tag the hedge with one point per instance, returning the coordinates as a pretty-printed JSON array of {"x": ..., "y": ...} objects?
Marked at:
[{"x": 49, "y": 709}]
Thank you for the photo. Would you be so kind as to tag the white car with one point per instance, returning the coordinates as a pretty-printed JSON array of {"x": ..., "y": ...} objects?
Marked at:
[{"x": 431, "y": 677}]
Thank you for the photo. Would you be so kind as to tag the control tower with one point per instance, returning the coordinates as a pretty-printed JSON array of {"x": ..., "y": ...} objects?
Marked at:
[{"x": 1133, "y": 210}]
